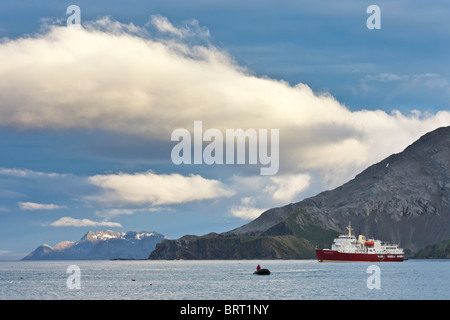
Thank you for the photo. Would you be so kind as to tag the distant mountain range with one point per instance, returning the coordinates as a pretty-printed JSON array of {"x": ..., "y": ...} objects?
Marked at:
[
  {"x": 101, "y": 245},
  {"x": 403, "y": 199}
]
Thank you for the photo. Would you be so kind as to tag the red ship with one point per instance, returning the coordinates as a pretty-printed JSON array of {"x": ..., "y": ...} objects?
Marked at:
[{"x": 347, "y": 248}]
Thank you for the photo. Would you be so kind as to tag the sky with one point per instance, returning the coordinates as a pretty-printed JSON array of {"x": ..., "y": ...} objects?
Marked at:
[{"x": 89, "y": 115}]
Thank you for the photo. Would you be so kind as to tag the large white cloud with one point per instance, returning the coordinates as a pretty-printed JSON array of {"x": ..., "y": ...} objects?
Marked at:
[
  {"x": 149, "y": 188},
  {"x": 121, "y": 78}
]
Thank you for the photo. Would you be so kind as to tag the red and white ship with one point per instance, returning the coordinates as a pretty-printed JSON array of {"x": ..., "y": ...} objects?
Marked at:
[{"x": 347, "y": 248}]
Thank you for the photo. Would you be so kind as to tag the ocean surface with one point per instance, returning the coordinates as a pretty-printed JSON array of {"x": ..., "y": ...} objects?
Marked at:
[{"x": 224, "y": 280}]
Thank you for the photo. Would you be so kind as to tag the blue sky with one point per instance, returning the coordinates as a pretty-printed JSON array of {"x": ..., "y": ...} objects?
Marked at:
[{"x": 86, "y": 115}]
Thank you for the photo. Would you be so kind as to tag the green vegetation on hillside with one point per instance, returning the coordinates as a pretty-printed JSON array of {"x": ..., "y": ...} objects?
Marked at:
[
  {"x": 319, "y": 237},
  {"x": 440, "y": 250}
]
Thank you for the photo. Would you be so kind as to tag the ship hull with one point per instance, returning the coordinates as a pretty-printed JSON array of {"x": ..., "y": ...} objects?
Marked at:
[{"x": 335, "y": 256}]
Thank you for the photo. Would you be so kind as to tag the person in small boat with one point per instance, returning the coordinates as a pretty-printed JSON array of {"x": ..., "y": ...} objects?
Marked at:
[{"x": 258, "y": 268}]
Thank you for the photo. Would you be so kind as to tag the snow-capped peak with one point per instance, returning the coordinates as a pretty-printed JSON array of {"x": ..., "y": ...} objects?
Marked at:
[
  {"x": 140, "y": 235},
  {"x": 101, "y": 245},
  {"x": 103, "y": 235}
]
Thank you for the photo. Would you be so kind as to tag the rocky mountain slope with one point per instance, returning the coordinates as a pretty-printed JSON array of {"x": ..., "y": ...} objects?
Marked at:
[
  {"x": 403, "y": 199},
  {"x": 101, "y": 245}
]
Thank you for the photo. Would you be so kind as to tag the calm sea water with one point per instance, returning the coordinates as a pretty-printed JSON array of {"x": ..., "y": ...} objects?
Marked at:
[{"x": 225, "y": 280}]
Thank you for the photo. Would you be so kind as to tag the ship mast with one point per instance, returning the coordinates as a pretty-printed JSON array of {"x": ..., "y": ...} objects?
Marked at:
[{"x": 349, "y": 228}]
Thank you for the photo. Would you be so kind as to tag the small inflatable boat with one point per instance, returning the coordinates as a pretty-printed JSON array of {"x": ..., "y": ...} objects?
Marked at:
[{"x": 262, "y": 272}]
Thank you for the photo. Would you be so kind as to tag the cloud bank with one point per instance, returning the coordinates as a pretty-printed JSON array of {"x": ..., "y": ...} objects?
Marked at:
[
  {"x": 38, "y": 206},
  {"x": 26, "y": 173},
  {"x": 71, "y": 222},
  {"x": 123, "y": 78},
  {"x": 149, "y": 188}
]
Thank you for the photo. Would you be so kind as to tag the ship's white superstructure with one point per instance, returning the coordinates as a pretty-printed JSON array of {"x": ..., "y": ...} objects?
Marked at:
[
  {"x": 347, "y": 248},
  {"x": 349, "y": 244}
]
